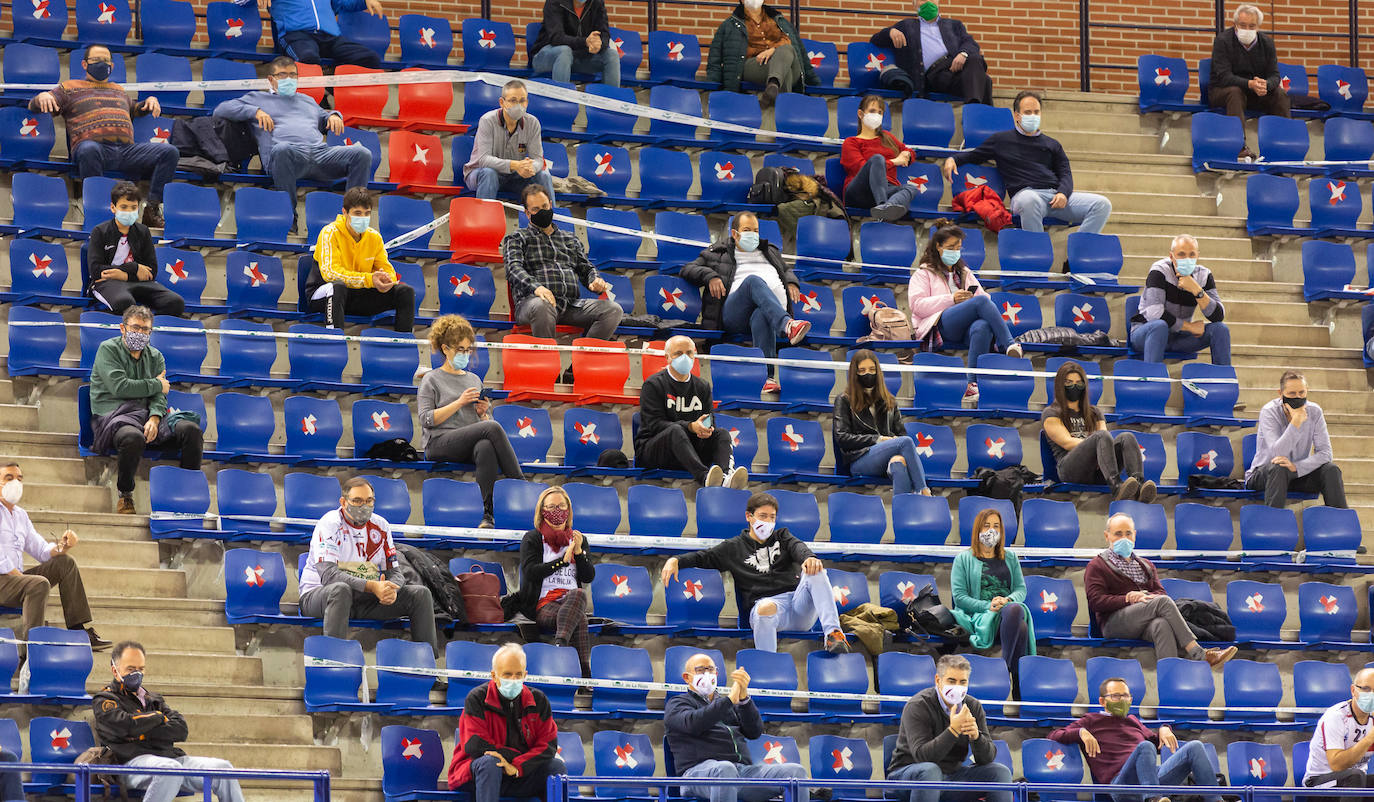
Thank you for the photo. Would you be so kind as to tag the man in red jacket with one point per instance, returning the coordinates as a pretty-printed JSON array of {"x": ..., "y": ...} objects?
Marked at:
[{"x": 507, "y": 741}]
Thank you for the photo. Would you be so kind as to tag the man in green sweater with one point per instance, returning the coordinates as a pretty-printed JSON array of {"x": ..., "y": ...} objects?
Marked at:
[{"x": 129, "y": 404}]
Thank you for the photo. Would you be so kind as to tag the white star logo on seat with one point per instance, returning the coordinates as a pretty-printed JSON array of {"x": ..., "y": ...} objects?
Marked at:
[
  {"x": 253, "y": 576},
  {"x": 793, "y": 439},
  {"x": 842, "y": 759},
  {"x": 675, "y": 51},
  {"x": 692, "y": 590},
  {"x": 841, "y": 595},
  {"x": 40, "y": 9},
  {"x": 107, "y": 12},
  {"x": 485, "y": 39},
  {"x": 42, "y": 265},
  {"x": 603, "y": 164},
  {"x": 421, "y": 155},
  {"x": 725, "y": 172},
  {"x": 619, "y": 45},
  {"x": 1286, "y": 83},
  {"x": 381, "y": 421},
  {"x": 410, "y": 749},
  {"x": 1343, "y": 88},
  {"x": 1162, "y": 76},
  {"x": 622, "y": 585},
  {"x": 254, "y": 274},
  {"x": 1207, "y": 461},
  {"x": 176, "y": 271},
  {"x": 1011, "y": 312},
  {"x": 907, "y": 589},
  {"x": 815, "y": 58},
  {"x": 461, "y": 286},
  {"x": 672, "y": 299},
  {"x": 971, "y": 181},
  {"x": 233, "y": 28},
  {"x": 1255, "y": 602},
  {"x": 875, "y": 62},
  {"x": 811, "y": 302},
  {"x": 1337, "y": 189},
  {"x": 427, "y": 38},
  {"x": 160, "y": 135},
  {"x": 524, "y": 427},
  {"x": 587, "y": 433},
  {"x": 1082, "y": 314},
  {"x": 625, "y": 757},
  {"x": 1055, "y": 759},
  {"x": 1330, "y": 605},
  {"x": 308, "y": 424},
  {"x": 773, "y": 753},
  {"x": 1049, "y": 601},
  {"x": 925, "y": 444},
  {"x": 28, "y": 127},
  {"x": 869, "y": 303},
  {"x": 61, "y": 739},
  {"x": 1259, "y": 768},
  {"x": 995, "y": 447},
  {"x": 734, "y": 437}
]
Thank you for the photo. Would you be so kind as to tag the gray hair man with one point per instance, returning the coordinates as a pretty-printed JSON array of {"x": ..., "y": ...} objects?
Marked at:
[
  {"x": 1245, "y": 71},
  {"x": 676, "y": 426}
]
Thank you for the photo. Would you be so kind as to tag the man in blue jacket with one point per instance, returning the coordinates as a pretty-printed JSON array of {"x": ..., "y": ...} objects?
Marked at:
[
  {"x": 939, "y": 55},
  {"x": 706, "y": 732},
  {"x": 306, "y": 30}
]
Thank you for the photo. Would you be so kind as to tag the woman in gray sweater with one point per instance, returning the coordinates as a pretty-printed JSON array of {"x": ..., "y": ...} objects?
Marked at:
[{"x": 455, "y": 420}]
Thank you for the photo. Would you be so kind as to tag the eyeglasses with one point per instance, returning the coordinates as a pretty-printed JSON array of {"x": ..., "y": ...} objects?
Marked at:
[
  {"x": 1116, "y": 697},
  {"x": 360, "y": 501},
  {"x": 280, "y": 75},
  {"x": 1363, "y": 689},
  {"x": 468, "y": 350},
  {"x": 699, "y": 670},
  {"x": 555, "y": 506},
  {"x": 139, "y": 329}
]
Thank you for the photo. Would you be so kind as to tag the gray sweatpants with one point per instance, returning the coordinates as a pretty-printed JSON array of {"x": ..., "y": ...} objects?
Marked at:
[
  {"x": 337, "y": 602},
  {"x": 1158, "y": 621},
  {"x": 782, "y": 67}
]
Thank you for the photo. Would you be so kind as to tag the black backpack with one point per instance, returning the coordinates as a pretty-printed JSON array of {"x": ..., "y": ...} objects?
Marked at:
[
  {"x": 930, "y": 618},
  {"x": 770, "y": 186},
  {"x": 1003, "y": 483},
  {"x": 395, "y": 450}
]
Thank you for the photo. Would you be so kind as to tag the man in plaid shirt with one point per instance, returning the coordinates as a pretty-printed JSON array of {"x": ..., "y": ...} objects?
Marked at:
[{"x": 544, "y": 266}]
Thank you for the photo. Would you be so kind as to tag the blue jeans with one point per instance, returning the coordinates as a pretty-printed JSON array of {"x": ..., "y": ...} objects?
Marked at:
[
  {"x": 559, "y": 61},
  {"x": 929, "y": 772},
  {"x": 877, "y": 461},
  {"x": 1089, "y": 210},
  {"x": 797, "y": 611},
  {"x": 724, "y": 769},
  {"x": 158, "y": 160},
  {"x": 288, "y": 164},
  {"x": 753, "y": 307},
  {"x": 165, "y": 787},
  {"x": 490, "y": 783},
  {"x": 977, "y": 322},
  {"x": 486, "y": 182},
  {"x": 1153, "y": 337},
  {"x": 1143, "y": 768},
  {"x": 870, "y": 187}
]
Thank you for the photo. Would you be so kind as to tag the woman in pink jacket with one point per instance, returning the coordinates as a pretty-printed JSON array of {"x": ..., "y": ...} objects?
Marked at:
[{"x": 948, "y": 303}]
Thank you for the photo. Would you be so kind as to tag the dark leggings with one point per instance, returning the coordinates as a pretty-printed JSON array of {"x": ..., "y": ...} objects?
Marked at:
[
  {"x": 1014, "y": 634},
  {"x": 486, "y": 446},
  {"x": 567, "y": 617}
]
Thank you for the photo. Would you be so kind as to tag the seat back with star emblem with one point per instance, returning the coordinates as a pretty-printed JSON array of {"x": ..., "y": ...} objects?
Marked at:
[
  {"x": 428, "y": 42},
  {"x": 725, "y": 178},
  {"x": 774, "y": 750},
  {"x": 230, "y": 30},
  {"x": 378, "y": 421},
  {"x": 467, "y": 290},
  {"x": 1162, "y": 80},
  {"x": 694, "y": 599},
  {"x": 487, "y": 44},
  {"x": 313, "y": 427},
  {"x": 587, "y": 433},
  {"x": 39, "y": 19},
  {"x": 38, "y": 269},
  {"x": 1203, "y": 454},
  {"x": 105, "y": 22},
  {"x": 1053, "y": 605},
  {"x": 866, "y": 63},
  {"x": 622, "y": 754},
  {"x": 858, "y": 302},
  {"x": 412, "y": 760},
  {"x": 928, "y": 187},
  {"x": 996, "y": 447},
  {"x": 28, "y": 135},
  {"x": 836, "y": 758},
  {"x": 825, "y": 60},
  {"x": 529, "y": 430},
  {"x": 1046, "y": 761},
  {"x": 57, "y": 740},
  {"x": 1326, "y": 612},
  {"x": 1256, "y": 764},
  {"x": 795, "y": 445},
  {"x": 254, "y": 284},
  {"x": 1345, "y": 88},
  {"x": 896, "y": 588},
  {"x": 621, "y": 593}
]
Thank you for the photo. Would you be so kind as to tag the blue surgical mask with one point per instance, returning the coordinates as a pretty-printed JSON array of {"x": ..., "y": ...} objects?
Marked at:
[
  {"x": 359, "y": 224},
  {"x": 1030, "y": 123},
  {"x": 126, "y": 219},
  {"x": 1185, "y": 267},
  {"x": 1123, "y": 547},
  {"x": 286, "y": 87},
  {"x": 682, "y": 363},
  {"x": 951, "y": 258},
  {"x": 748, "y": 240},
  {"x": 1366, "y": 702},
  {"x": 459, "y": 361},
  {"x": 510, "y": 688}
]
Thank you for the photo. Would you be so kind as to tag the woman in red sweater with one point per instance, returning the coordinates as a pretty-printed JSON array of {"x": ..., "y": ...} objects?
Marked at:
[{"x": 870, "y": 160}]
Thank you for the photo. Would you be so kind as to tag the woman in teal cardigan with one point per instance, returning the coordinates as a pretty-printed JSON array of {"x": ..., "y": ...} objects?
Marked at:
[{"x": 990, "y": 595}]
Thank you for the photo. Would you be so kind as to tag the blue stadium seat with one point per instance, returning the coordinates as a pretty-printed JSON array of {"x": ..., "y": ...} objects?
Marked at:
[
  {"x": 393, "y": 499},
  {"x": 989, "y": 681},
  {"x": 1330, "y": 529},
  {"x": 936, "y": 447},
  {"x": 610, "y": 662},
  {"x": 1141, "y": 402},
  {"x": 837, "y": 673},
  {"x": 1348, "y": 140},
  {"x": 656, "y": 511},
  {"x": 795, "y": 450},
  {"x": 799, "y": 512},
  {"x": 1101, "y": 668},
  {"x": 178, "y": 491},
  {"x": 623, "y": 593},
  {"x": 193, "y": 214},
  {"x": 856, "y": 518},
  {"x": 772, "y": 671},
  {"x": 59, "y": 660},
  {"x": 168, "y": 26},
  {"x": 806, "y": 115},
  {"x": 255, "y": 283},
  {"x": 559, "y": 113},
  {"x": 412, "y": 762},
  {"x": 450, "y": 503},
  {"x": 736, "y": 108},
  {"x": 597, "y": 507},
  {"x": 1053, "y": 605},
  {"x": 668, "y": 183},
  {"x": 572, "y": 753},
  {"x": 622, "y": 754},
  {"x": 254, "y": 582},
  {"x": 219, "y": 69},
  {"x": 1345, "y": 88},
  {"x": 1251, "y": 684},
  {"x": 737, "y": 384},
  {"x": 1164, "y": 82},
  {"x": 903, "y": 674},
  {"x": 30, "y": 64},
  {"x": 313, "y": 428},
  {"x": 1328, "y": 268},
  {"x": 1046, "y": 761},
  {"x": 37, "y": 349},
  {"x": 512, "y": 500},
  {"x": 675, "y": 58},
  {"x": 1051, "y": 681},
  {"x": 850, "y": 588},
  {"x": 1283, "y": 139},
  {"x": 928, "y": 184},
  {"x": 995, "y": 447},
  {"x": 857, "y": 303},
  {"x": 317, "y": 361},
  {"x": 806, "y": 389},
  {"x": 428, "y": 42},
  {"x": 1326, "y": 613},
  {"x": 928, "y": 126},
  {"x": 45, "y": 205},
  {"x": 587, "y": 433},
  {"x": 1095, "y": 262},
  {"x": 554, "y": 661},
  {"x": 612, "y": 126},
  {"x": 833, "y": 757},
  {"x": 970, "y": 506},
  {"x": 725, "y": 180},
  {"x": 42, "y": 23},
  {"x": 821, "y": 243},
  {"x": 888, "y": 245},
  {"x": 1002, "y": 395},
  {"x": 676, "y": 99},
  {"x": 1183, "y": 686},
  {"x": 1051, "y": 524},
  {"x": 979, "y": 122},
  {"x": 245, "y": 493},
  {"x": 609, "y": 250},
  {"x": 404, "y": 693},
  {"x": 105, "y": 22},
  {"x": 1025, "y": 252},
  {"x": 865, "y": 65},
  {"x": 825, "y": 60},
  {"x": 919, "y": 520},
  {"x": 1217, "y": 141},
  {"x": 245, "y": 425},
  {"x": 470, "y": 291},
  {"x": 1204, "y": 455},
  {"x": 1151, "y": 523},
  {"x": 1202, "y": 527},
  {"x": 1082, "y": 313},
  {"x": 630, "y": 45},
  {"x": 1177, "y": 589},
  {"x": 1318, "y": 683},
  {"x": 308, "y": 496},
  {"x": 1267, "y": 529},
  {"x": 1257, "y": 609},
  {"x": 939, "y": 393},
  {"x": 693, "y": 227},
  {"x": 388, "y": 367},
  {"x": 379, "y": 421},
  {"x": 56, "y": 740},
  {"x": 487, "y": 44},
  {"x": 1271, "y": 201},
  {"x": 27, "y": 139},
  {"x": 720, "y": 512},
  {"x": 1336, "y": 206},
  {"x": 693, "y": 603},
  {"x": 672, "y": 298},
  {"x": 264, "y": 218},
  {"x": 334, "y": 688},
  {"x": 774, "y": 750},
  {"x": 1255, "y": 764}
]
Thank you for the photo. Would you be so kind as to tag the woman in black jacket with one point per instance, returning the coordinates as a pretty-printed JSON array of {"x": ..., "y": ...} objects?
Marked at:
[
  {"x": 553, "y": 568},
  {"x": 868, "y": 431}
]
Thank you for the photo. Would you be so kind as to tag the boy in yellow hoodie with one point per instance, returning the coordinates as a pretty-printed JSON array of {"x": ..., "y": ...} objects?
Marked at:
[{"x": 349, "y": 271}]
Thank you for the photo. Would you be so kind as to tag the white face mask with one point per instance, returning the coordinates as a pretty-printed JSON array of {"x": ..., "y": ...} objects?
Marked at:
[
  {"x": 873, "y": 120},
  {"x": 753, "y": 5},
  {"x": 12, "y": 491},
  {"x": 1246, "y": 36},
  {"x": 990, "y": 537},
  {"x": 953, "y": 694},
  {"x": 762, "y": 529},
  {"x": 705, "y": 684}
]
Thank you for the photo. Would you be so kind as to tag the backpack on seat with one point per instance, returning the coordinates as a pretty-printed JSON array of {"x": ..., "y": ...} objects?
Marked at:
[{"x": 889, "y": 325}]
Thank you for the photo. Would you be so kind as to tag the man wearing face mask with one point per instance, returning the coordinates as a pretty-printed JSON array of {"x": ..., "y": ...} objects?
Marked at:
[
  {"x": 349, "y": 273},
  {"x": 939, "y": 55},
  {"x": 1125, "y": 597},
  {"x": 1245, "y": 71},
  {"x": 28, "y": 588},
  {"x": 1036, "y": 171},
  {"x": 140, "y": 728},
  {"x": 121, "y": 262},
  {"x": 100, "y": 132},
  {"x": 757, "y": 44},
  {"x": 289, "y": 127},
  {"x": 706, "y": 731},
  {"x": 129, "y": 405},
  {"x": 1293, "y": 449},
  {"x": 1121, "y": 751},
  {"x": 940, "y": 727},
  {"x": 508, "y": 148},
  {"x": 1338, "y": 756},
  {"x": 507, "y": 742},
  {"x": 778, "y": 579},
  {"x": 1176, "y": 287},
  {"x": 352, "y": 571},
  {"x": 675, "y": 422},
  {"x": 748, "y": 290}
]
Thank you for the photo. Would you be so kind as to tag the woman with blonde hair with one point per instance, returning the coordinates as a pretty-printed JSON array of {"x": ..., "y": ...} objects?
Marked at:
[{"x": 553, "y": 568}]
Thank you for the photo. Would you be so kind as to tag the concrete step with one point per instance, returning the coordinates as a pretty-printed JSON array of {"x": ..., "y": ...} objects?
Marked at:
[
  {"x": 110, "y": 525},
  {"x": 1079, "y": 140},
  {"x": 1280, "y": 334},
  {"x": 19, "y": 416},
  {"x": 298, "y": 757},
  {"x": 91, "y": 552},
  {"x": 1135, "y": 267},
  {"x": 1154, "y": 244},
  {"x": 1349, "y": 402},
  {"x": 50, "y": 469},
  {"x": 227, "y": 704},
  {"x": 1258, "y": 373},
  {"x": 190, "y": 666},
  {"x": 250, "y": 729},
  {"x": 149, "y": 611},
  {"x": 31, "y": 442},
  {"x": 6, "y": 391},
  {"x": 80, "y": 498},
  {"x": 1297, "y": 314},
  {"x": 1106, "y": 179},
  {"x": 154, "y": 582},
  {"x": 183, "y": 639},
  {"x": 1189, "y": 206}
]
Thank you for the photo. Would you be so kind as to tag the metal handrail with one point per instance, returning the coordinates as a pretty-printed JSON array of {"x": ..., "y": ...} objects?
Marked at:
[{"x": 85, "y": 773}]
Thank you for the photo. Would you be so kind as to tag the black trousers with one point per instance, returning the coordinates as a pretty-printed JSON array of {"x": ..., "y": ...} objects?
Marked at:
[
  {"x": 367, "y": 302},
  {"x": 1277, "y": 482},
  {"x": 309, "y": 46},
  {"x": 486, "y": 446},
  {"x": 676, "y": 449},
  {"x": 129, "y": 443},
  {"x": 1350, "y": 778},
  {"x": 119, "y": 295},
  {"x": 971, "y": 83}
]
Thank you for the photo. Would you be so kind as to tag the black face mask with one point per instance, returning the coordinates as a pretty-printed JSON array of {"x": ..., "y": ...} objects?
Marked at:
[
  {"x": 1295, "y": 403},
  {"x": 99, "y": 70},
  {"x": 542, "y": 218},
  {"x": 868, "y": 380},
  {"x": 1074, "y": 392}
]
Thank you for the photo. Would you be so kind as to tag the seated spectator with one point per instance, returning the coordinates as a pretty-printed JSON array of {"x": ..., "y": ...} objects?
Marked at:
[
  {"x": 554, "y": 565},
  {"x": 1175, "y": 287},
  {"x": 28, "y": 588},
  {"x": 948, "y": 303},
  {"x": 942, "y": 727},
  {"x": 122, "y": 262},
  {"x": 1036, "y": 171},
  {"x": 289, "y": 127},
  {"x": 455, "y": 414},
  {"x": 868, "y": 431},
  {"x": 352, "y": 571},
  {"x": 870, "y": 159},
  {"x": 1245, "y": 71},
  {"x": 749, "y": 290},
  {"x": 1293, "y": 449},
  {"x": 1084, "y": 451},
  {"x": 778, "y": 579},
  {"x": 1120, "y": 751},
  {"x": 939, "y": 55},
  {"x": 575, "y": 35},
  {"x": 350, "y": 273},
  {"x": 1338, "y": 756},
  {"x": 507, "y": 742},
  {"x": 307, "y": 31},
  {"x": 544, "y": 266},
  {"x": 989, "y": 595},
  {"x": 757, "y": 44},
  {"x": 508, "y": 148},
  {"x": 100, "y": 133},
  {"x": 140, "y": 729},
  {"x": 129, "y": 404},
  {"x": 676, "y": 430},
  {"x": 699, "y": 728},
  {"x": 1127, "y": 601}
]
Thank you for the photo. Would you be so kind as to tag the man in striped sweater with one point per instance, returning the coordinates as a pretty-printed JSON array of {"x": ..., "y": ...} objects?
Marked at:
[{"x": 1175, "y": 288}]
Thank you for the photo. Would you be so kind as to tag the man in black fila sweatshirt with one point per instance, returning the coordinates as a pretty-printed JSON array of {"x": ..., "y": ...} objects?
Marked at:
[{"x": 675, "y": 423}]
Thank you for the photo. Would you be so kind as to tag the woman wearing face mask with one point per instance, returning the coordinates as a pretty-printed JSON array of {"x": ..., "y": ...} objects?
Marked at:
[
  {"x": 1175, "y": 288},
  {"x": 553, "y": 568},
  {"x": 455, "y": 418},
  {"x": 1084, "y": 451},
  {"x": 989, "y": 595},
  {"x": 870, "y": 159},
  {"x": 948, "y": 303},
  {"x": 867, "y": 430}
]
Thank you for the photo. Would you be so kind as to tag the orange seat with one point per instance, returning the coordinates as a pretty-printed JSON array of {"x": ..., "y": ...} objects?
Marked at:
[
  {"x": 531, "y": 373},
  {"x": 416, "y": 161},
  {"x": 362, "y": 105},
  {"x": 311, "y": 71},
  {"x": 600, "y": 378},
  {"x": 425, "y": 107},
  {"x": 475, "y": 229}
]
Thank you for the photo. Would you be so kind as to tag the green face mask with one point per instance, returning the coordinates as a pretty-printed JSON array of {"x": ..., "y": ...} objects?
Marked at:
[
  {"x": 928, "y": 11},
  {"x": 1119, "y": 709}
]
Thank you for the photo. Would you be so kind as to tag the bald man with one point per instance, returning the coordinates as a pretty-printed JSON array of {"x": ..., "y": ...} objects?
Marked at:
[
  {"x": 1176, "y": 289},
  {"x": 1339, "y": 754},
  {"x": 677, "y": 431}
]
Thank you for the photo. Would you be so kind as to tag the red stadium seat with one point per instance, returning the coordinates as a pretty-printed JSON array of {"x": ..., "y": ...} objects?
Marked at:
[
  {"x": 363, "y": 105},
  {"x": 425, "y": 107},
  {"x": 475, "y": 230},
  {"x": 649, "y": 365},
  {"x": 311, "y": 71},
  {"x": 531, "y": 373},
  {"x": 416, "y": 161},
  {"x": 600, "y": 378}
]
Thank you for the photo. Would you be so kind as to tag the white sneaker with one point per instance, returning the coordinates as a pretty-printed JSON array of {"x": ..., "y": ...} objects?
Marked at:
[
  {"x": 715, "y": 477},
  {"x": 739, "y": 478},
  {"x": 1014, "y": 350}
]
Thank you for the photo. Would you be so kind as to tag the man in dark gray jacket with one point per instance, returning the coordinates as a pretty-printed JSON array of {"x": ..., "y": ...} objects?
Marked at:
[{"x": 940, "y": 726}]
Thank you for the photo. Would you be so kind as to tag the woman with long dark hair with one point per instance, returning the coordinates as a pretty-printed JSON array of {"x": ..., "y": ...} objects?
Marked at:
[
  {"x": 867, "y": 430},
  {"x": 1084, "y": 451},
  {"x": 870, "y": 159}
]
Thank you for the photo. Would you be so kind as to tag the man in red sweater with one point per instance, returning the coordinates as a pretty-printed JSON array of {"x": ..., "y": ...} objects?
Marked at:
[
  {"x": 1127, "y": 601},
  {"x": 1121, "y": 751}
]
